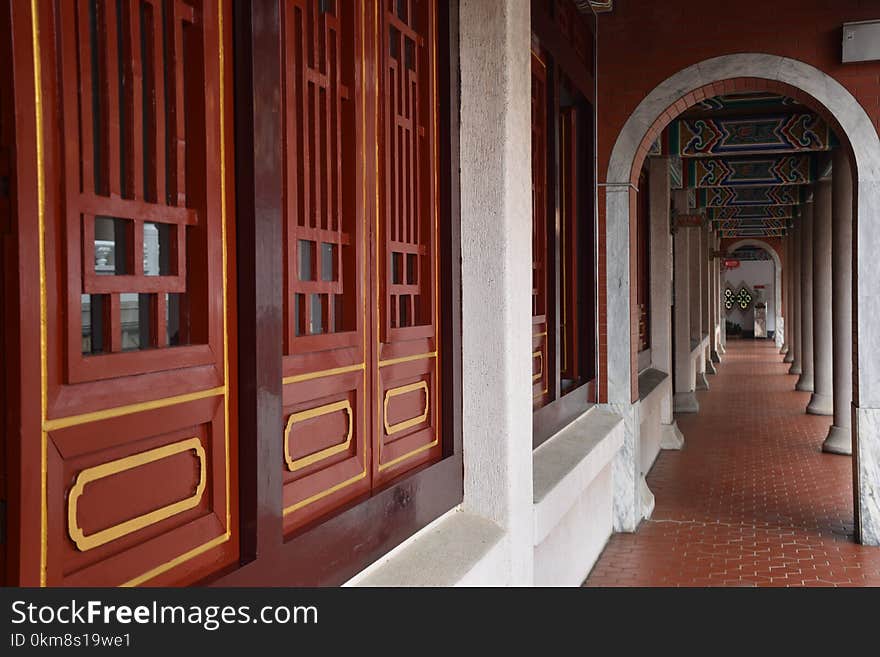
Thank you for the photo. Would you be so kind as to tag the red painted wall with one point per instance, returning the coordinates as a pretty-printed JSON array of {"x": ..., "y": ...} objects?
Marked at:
[{"x": 643, "y": 42}]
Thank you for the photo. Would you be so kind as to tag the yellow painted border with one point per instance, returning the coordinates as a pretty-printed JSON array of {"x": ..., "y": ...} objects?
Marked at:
[
  {"x": 307, "y": 376},
  {"x": 73, "y": 420},
  {"x": 297, "y": 464},
  {"x": 44, "y": 338},
  {"x": 538, "y": 354},
  {"x": 413, "y": 421},
  {"x": 89, "y": 475},
  {"x": 407, "y": 359}
]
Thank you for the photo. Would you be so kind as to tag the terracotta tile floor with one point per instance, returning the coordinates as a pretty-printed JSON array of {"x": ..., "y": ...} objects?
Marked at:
[{"x": 751, "y": 500}]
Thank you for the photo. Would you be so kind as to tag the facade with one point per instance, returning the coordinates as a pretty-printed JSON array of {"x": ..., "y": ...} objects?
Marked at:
[{"x": 407, "y": 292}]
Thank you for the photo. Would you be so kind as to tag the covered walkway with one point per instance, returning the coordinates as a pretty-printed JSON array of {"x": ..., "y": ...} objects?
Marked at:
[{"x": 751, "y": 500}]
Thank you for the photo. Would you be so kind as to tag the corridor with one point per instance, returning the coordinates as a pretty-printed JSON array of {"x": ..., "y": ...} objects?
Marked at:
[{"x": 750, "y": 500}]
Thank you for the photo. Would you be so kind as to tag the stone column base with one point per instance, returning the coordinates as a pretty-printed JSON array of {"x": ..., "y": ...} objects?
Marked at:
[
  {"x": 710, "y": 367},
  {"x": 671, "y": 436},
  {"x": 722, "y": 348},
  {"x": 716, "y": 357},
  {"x": 789, "y": 358},
  {"x": 702, "y": 382},
  {"x": 820, "y": 404},
  {"x": 838, "y": 441},
  {"x": 804, "y": 383},
  {"x": 647, "y": 499},
  {"x": 685, "y": 402},
  {"x": 783, "y": 349}
]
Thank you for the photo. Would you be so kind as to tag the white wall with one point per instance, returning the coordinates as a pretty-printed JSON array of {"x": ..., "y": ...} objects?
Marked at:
[{"x": 752, "y": 273}]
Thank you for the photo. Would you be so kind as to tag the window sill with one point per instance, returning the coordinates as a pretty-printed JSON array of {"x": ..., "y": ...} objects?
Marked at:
[
  {"x": 649, "y": 381},
  {"x": 447, "y": 553},
  {"x": 565, "y": 465}
]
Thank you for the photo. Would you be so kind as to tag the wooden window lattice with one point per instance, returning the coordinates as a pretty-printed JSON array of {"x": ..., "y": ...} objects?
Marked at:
[{"x": 125, "y": 90}]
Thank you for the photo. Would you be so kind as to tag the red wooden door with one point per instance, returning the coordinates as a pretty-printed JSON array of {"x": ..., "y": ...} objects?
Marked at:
[
  {"x": 361, "y": 379},
  {"x": 8, "y": 366},
  {"x": 540, "y": 353},
  {"x": 127, "y": 176}
]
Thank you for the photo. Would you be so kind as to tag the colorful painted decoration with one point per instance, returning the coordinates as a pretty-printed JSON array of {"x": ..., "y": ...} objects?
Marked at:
[
  {"x": 718, "y": 197},
  {"x": 729, "y": 136},
  {"x": 744, "y": 100},
  {"x": 752, "y": 212},
  {"x": 740, "y": 299},
  {"x": 724, "y": 172}
]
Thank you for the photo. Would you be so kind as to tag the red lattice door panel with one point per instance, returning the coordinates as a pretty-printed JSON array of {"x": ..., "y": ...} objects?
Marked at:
[
  {"x": 407, "y": 344},
  {"x": 569, "y": 294},
  {"x": 540, "y": 355},
  {"x": 361, "y": 387},
  {"x": 138, "y": 451},
  {"x": 325, "y": 409}
]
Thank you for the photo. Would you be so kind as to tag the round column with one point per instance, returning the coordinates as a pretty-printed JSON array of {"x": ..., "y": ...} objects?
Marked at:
[
  {"x": 822, "y": 400},
  {"x": 839, "y": 440},
  {"x": 805, "y": 382},
  {"x": 795, "y": 345},
  {"x": 786, "y": 297}
]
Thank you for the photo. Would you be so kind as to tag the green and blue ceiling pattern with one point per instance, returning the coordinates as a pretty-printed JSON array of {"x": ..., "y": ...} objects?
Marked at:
[
  {"x": 747, "y": 160},
  {"x": 719, "y": 197},
  {"x": 745, "y": 101},
  {"x": 749, "y": 172},
  {"x": 790, "y": 133},
  {"x": 753, "y": 212}
]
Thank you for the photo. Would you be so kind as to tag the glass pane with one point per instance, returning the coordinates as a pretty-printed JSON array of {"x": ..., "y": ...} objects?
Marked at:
[
  {"x": 338, "y": 313},
  {"x": 157, "y": 249},
  {"x": 328, "y": 261},
  {"x": 111, "y": 246},
  {"x": 172, "y": 319},
  {"x": 317, "y": 301},
  {"x": 306, "y": 270},
  {"x": 397, "y": 268},
  {"x": 411, "y": 261},
  {"x": 92, "y": 313},
  {"x": 298, "y": 314},
  {"x": 129, "y": 309},
  {"x": 404, "y": 310}
]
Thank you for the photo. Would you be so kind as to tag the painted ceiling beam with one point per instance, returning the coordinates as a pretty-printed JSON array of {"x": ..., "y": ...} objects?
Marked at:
[
  {"x": 749, "y": 172},
  {"x": 719, "y": 197},
  {"x": 794, "y": 133},
  {"x": 753, "y": 212}
]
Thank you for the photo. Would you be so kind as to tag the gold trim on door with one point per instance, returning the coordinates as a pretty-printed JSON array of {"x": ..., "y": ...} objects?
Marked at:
[
  {"x": 296, "y": 464},
  {"x": 110, "y": 468}
]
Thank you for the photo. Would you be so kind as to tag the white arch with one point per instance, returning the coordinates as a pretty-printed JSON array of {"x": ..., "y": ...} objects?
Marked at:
[
  {"x": 861, "y": 134},
  {"x": 777, "y": 281}
]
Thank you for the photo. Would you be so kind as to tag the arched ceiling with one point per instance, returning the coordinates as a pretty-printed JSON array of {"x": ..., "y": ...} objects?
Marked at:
[{"x": 749, "y": 160}]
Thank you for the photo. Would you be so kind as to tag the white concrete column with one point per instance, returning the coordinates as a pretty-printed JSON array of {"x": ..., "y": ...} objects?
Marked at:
[
  {"x": 718, "y": 313},
  {"x": 685, "y": 401},
  {"x": 661, "y": 294},
  {"x": 796, "y": 344},
  {"x": 786, "y": 301},
  {"x": 697, "y": 301},
  {"x": 805, "y": 381},
  {"x": 821, "y": 401},
  {"x": 633, "y": 500},
  {"x": 496, "y": 257},
  {"x": 708, "y": 297},
  {"x": 839, "y": 440}
]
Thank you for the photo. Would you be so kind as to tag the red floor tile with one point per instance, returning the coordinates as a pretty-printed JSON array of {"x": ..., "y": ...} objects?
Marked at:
[{"x": 751, "y": 500}]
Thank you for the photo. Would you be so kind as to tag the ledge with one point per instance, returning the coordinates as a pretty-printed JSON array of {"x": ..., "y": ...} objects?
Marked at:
[
  {"x": 442, "y": 555},
  {"x": 649, "y": 380},
  {"x": 564, "y": 466}
]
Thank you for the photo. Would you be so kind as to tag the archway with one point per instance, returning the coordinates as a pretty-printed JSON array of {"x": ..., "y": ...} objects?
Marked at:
[
  {"x": 777, "y": 281},
  {"x": 839, "y": 108}
]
